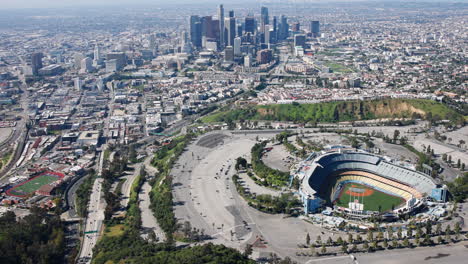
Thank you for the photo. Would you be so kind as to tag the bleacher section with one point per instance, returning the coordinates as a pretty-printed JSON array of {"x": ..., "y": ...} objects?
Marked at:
[{"x": 372, "y": 168}]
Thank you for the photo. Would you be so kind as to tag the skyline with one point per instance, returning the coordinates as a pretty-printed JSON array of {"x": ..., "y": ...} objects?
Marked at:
[{"x": 42, "y": 4}]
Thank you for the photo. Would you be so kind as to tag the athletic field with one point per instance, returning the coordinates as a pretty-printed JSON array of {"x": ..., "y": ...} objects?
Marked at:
[
  {"x": 373, "y": 200},
  {"x": 34, "y": 184}
]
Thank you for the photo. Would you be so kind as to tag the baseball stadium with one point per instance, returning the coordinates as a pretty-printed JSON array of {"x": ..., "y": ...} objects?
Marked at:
[
  {"x": 34, "y": 184},
  {"x": 361, "y": 184}
]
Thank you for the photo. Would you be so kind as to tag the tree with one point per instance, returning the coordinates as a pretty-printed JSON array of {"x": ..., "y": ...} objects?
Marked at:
[
  {"x": 312, "y": 250},
  {"x": 385, "y": 243},
  {"x": 444, "y": 157},
  {"x": 394, "y": 243},
  {"x": 458, "y": 163},
  {"x": 359, "y": 238},
  {"x": 427, "y": 239},
  {"x": 396, "y": 134},
  {"x": 380, "y": 236},
  {"x": 307, "y": 239},
  {"x": 329, "y": 241},
  {"x": 447, "y": 230},
  {"x": 339, "y": 241},
  {"x": 409, "y": 232},
  {"x": 248, "y": 250},
  {"x": 418, "y": 231},
  {"x": 439, "y": 240},
  {"x": 438, "y": 229},
  {"x": 323, "y": 250},
  {"x": 318, "y": 240},
  {"x": 344, "y": 248},
  {"x": 354, "y": 248},
  {"x": 463, "y": 166},
  {"x": 240, "y": 163},
  {"x": 390, "y": 233},
  {"x": 457, "y": 228},
  {"x": 375, "y": 245},
  {"x": 350, "y": 238},
  {"x": 370, "y": 235},
  {"x": 406, "y": 242},
  {"x": 365, "y": 245}
]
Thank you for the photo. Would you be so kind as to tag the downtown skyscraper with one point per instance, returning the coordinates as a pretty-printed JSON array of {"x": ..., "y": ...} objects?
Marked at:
[{"x": 221, "y": 26}]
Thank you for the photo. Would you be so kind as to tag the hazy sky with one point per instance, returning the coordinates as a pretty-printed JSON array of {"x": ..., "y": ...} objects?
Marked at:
[{"x": 70, "y": 3}]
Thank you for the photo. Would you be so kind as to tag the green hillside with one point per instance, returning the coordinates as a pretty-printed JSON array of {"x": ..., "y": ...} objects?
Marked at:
[{"x": 340, "y": 111}]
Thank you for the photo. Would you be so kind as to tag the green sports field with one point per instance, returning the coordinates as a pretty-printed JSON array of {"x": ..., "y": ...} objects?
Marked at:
[
  {"x": 372, "y": 198},
  {"x": 33, "y": 185}
]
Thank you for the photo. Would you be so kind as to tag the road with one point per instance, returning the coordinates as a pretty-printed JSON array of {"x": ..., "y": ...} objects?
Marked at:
[
  {"x": 94, "y": 221},
  {"x": 127, "y": 185}
]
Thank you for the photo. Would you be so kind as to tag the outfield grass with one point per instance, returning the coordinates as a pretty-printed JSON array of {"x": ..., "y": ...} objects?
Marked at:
[
  {"x": 33, "y": 185},
  {"x": 371, "y": 202}
]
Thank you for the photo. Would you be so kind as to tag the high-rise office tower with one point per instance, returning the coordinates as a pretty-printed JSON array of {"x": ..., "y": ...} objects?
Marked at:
[
  {"x": 265, "y": 20},
  {"x": 237, "y": 46},
  {"x": 300, "y": 40},
  {"x": 221, "y": 26},
  {"x": 229, "y": 53},
  {"x": 231, "y": 13},
  {"x": 268, "y": 34},
  {"x": 86, "y": 64},
  {"x": 315, "y": 28},
  {"x": 196, "y": 31},
  {"x": 119, "y": 57},
  {"x": 36, "y": 62},
  {"x": 97, "y": 53},
  {"x": 274, "y": 35},
  {"x": 250, "y": 24},
  {"x": 239, "y": 30},
  {"x": 207, "y": 27},
  {"x": 264, "y": 56},
  {"x": 248, "y": 61},
  {"x": 78, "y": 83},
  {"x": 230, "y": 31},
  {"x": 284, "y": 28},
  {"x": 78, "y": 57}
]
